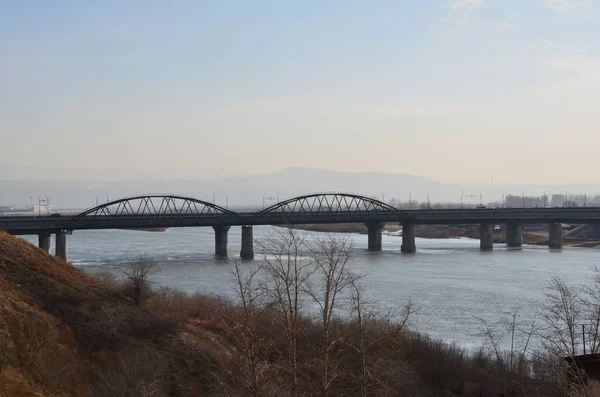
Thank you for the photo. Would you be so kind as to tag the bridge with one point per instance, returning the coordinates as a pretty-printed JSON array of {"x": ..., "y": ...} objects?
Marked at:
[{"x": 166, "y": 211}]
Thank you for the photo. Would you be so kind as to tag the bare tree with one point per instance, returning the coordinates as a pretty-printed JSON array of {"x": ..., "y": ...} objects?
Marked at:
[
  {"x": 590, "y": 302},
  {"x": 330, "y": 254},
  {"x": 562, "y": 315},
  {"x": 287, "y": 268},
  {"x": 242, "y": 321},
  {"x": 511, "y": 364},
  {"x": 371, "y": 328},
  {"x": 138, "y": 272}
]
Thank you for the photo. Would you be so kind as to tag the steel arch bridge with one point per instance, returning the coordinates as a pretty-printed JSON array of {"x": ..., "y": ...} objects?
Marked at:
[
  {"x": 156, "y": 205},
  {"x": 331, "y": 203}
]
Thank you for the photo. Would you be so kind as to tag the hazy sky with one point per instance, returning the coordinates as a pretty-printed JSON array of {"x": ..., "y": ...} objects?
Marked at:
[{"x": 456, "y": 90}]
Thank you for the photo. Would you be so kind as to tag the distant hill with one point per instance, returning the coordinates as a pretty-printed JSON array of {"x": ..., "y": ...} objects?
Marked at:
[{"x": 236, "y": 190}]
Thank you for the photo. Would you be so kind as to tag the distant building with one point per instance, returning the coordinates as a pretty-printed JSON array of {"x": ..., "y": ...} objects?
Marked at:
[
  {"x": 587, "y": 363},
  {"x": 558, "y": 200},
  {"x": 42, "y": 209}
]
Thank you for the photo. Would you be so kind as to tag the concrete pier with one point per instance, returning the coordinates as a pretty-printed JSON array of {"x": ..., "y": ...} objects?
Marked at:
[
  {"x": 555, "y": 240},
  {"x": 374, "y": 232},
  {"x": 247, "y": 251},
  {"x": 221, "y": 233},
  {"x": 44, "y": 241},
  {"x": 514, "y": 236},
  {"x": 60, "y": 249},
  {"x": 486, "y": 237},
  {"x": 408, "y": 238}
]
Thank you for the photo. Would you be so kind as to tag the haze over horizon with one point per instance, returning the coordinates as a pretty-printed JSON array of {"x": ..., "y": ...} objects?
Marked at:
[{"x": 456, "y": 91}]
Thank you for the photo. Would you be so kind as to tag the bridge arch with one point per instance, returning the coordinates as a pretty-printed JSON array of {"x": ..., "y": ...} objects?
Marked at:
[
  {"x": 330, "y": 202},
  {"x": 155, "y": 205}
]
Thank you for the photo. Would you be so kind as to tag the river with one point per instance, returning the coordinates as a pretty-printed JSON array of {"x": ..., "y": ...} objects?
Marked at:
[{"x": 449, "y": 280}]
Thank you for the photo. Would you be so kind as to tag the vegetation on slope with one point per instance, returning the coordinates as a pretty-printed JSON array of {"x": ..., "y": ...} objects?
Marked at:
[{"x": 64, "y": 333}]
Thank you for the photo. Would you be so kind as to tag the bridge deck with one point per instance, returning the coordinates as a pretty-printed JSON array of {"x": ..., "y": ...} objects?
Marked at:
[{"x": 38, "y": 224}]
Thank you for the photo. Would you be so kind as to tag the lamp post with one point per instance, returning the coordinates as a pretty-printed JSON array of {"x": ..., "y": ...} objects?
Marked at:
[
  {"x": 503, "y": 205},
  {"x": 480, "y": 199},
  {"x": 461, "y": 198},
  {"x": 428, "y": 202},
  {"x": 409, "y": 199},
  {"x": 523, "y": 199},
  {"x": 585, "y": 198}
]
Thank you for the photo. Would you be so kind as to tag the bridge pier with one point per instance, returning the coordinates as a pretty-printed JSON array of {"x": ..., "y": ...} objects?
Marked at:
[
  {"x": 44, "y": 241},
  {"x": 408, "y": 238},
  {"x": 221, "y": 233},
  {"x": 374, "y": 233},
  {"x": 60, "y": 249},
  {"x": 555, "y": 240},
  {"x": 486, "y": 237},
  {"x": 514, "y": 236},
  {"x": 247, "y": 251}
]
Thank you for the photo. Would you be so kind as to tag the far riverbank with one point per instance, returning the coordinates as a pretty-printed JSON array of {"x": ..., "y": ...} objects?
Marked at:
[{"x": 445, "y": 231}]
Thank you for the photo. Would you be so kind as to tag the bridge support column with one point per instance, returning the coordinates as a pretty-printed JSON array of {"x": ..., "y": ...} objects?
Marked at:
[
  {"x": 408, "y": 238},
  {"x": 60, "y": 249},
  {"x": 514, "y": 236},
  {"x": 44, "y": 241},
  {"x": 247, "y": 251},
  {"x": 374, "y": 232},
  {"x": 221, "y": 240},
  {"x": 486, "y": 237},
  {"x": 555, "y": 240}
]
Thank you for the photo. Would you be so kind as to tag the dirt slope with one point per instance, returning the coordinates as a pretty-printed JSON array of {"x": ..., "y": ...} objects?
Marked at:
[{"x": 64, "y": 333}]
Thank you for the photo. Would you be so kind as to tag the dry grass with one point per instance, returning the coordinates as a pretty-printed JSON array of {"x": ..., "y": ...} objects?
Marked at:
[{"x": 65, "y": 333}]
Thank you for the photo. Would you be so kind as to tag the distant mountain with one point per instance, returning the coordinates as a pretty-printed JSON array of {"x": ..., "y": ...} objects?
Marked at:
[{"x": 254, "y": 189}]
